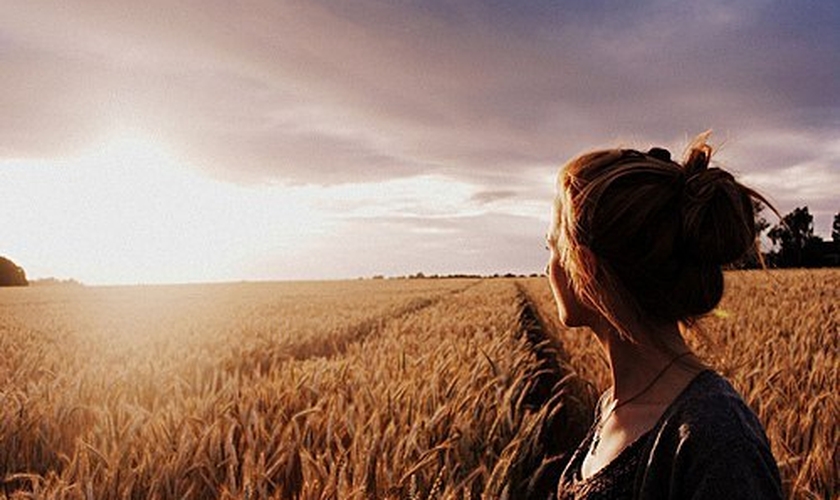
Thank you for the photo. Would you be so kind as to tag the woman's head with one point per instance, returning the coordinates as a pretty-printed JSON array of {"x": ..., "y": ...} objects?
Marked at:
[{"x": 642, "y": 239}]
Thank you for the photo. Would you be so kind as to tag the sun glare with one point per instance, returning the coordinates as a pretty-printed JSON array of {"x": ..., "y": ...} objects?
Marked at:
[{"x": 128, "y": 211}]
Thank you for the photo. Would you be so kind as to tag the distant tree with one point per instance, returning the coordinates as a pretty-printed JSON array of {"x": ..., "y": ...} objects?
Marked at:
[
  {"x": 835, "y": 228},
  {"x": 798, "y": 246},
  {"x": 11, "y": 274},
  {"x": 52, "y": 281}
]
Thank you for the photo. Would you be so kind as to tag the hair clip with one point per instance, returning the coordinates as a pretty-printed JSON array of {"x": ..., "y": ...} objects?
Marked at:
[{"x": 660, "y": 154}]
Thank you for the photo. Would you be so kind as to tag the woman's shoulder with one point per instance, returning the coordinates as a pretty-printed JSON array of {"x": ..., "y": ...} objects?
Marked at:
[
  {"x": 711, "y": 404},
  {"x": 710, "y": 438},
  {"x": 709, "y": 413}
]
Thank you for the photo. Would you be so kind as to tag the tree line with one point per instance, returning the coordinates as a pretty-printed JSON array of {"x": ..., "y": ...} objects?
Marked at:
[{"x": 796, "y": 245}]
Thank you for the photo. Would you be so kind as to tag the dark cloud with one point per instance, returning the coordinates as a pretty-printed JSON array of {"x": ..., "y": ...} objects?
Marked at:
[{"x": 330, "y": 93}]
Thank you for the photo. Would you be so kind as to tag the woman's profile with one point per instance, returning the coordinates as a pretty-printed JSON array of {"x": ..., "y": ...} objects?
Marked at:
[{"x": 638, "y": 243}]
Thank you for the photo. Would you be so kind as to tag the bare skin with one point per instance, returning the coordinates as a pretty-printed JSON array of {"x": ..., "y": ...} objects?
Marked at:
[{"x": 634, "y": 365}]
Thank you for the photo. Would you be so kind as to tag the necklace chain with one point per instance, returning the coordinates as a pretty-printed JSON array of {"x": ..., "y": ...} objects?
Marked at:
[{"x": 596, "y": 439}]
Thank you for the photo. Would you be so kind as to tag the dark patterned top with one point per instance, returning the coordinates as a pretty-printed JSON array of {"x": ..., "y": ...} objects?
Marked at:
[
  {"x": 614, "y": 481},
  {"x": 706, "y": 445}
]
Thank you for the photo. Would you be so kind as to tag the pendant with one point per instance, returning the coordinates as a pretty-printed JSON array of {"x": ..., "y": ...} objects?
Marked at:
[{"x": 596, "y": 440}]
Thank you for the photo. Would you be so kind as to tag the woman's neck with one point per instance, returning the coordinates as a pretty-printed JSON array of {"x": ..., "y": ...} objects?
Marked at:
[{"x": 636, "y": 364}]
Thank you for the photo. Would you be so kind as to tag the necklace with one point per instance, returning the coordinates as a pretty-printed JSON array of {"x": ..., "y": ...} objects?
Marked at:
[{"x": 596, "y": 439}]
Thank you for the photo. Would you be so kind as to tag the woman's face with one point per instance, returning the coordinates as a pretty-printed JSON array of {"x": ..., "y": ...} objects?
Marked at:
[{"x": 571, "y": 310}]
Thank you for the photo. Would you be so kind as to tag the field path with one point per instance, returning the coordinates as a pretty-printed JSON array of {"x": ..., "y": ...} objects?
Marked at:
[
  {"x": 552, "y": 361},
  {"x": 263, "y": 357},
  {"x": 555, "y": 405},
  {"x": 371, "y": 327}
]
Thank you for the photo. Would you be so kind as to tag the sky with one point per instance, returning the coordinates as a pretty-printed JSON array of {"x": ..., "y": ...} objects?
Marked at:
[{"x": 225, "y": 140}]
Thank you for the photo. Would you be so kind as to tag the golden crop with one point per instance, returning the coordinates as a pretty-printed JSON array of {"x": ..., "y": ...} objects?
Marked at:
[{"x": 365, "y": 389}]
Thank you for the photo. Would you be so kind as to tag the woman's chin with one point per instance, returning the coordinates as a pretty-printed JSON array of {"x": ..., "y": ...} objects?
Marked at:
[
  {"x": 572, "y": 320},
  {"x": 567, "y": 320}
]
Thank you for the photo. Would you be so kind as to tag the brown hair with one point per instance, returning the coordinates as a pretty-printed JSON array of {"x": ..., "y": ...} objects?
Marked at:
[{"x": 660, "y": 232}]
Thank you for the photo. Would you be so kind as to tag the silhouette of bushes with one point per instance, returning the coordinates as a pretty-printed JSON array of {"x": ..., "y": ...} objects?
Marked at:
[
  {"x": 11, "y": 274},
  {"x": 796, "y": 245}
]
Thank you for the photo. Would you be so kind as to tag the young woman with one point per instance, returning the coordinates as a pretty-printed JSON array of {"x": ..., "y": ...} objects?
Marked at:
[{"x": 637, "y": 246}]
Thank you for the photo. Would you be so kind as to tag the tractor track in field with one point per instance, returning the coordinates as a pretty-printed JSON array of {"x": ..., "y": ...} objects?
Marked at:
[
  {"x": 545, "y": 340},
  {"x": 553, "y": 408},
  {"x": 267, "y": 357},
  {"x": 551, "y": 366},
  {"x": 373, "y": 326}
]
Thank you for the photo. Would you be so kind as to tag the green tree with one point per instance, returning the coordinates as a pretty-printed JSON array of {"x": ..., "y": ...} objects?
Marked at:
[
  {"x": 11, "y": 274},
  {"x": 797, "y": 244}
]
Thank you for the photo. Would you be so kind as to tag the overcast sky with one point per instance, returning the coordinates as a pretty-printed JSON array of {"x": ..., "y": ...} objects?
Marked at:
[{"x": 205, "y": 140}]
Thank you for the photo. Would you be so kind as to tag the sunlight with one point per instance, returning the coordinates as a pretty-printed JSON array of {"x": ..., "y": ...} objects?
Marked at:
[{"x": 129, "y": 212}]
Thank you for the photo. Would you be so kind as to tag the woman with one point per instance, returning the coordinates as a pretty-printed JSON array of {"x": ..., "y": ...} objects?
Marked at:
[{"x": 637, "y": 246}]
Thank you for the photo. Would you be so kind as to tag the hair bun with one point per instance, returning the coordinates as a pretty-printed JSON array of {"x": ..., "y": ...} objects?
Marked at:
[
  {"x": 697, "y": 289},
  {"x": 717, "y": 215}
]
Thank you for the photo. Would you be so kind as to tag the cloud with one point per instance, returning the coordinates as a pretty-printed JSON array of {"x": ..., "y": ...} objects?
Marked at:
[
  {"x": 480, "y": 244},
  {"x": 808, "y": 174},
  {"x": 302, "y": 92},
  {"x": 493, "y": 96},
  {"x": 487, "y": 197}
]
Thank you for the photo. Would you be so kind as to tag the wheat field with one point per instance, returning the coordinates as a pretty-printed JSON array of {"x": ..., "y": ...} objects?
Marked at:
[{"x": 404, "y": 389}]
